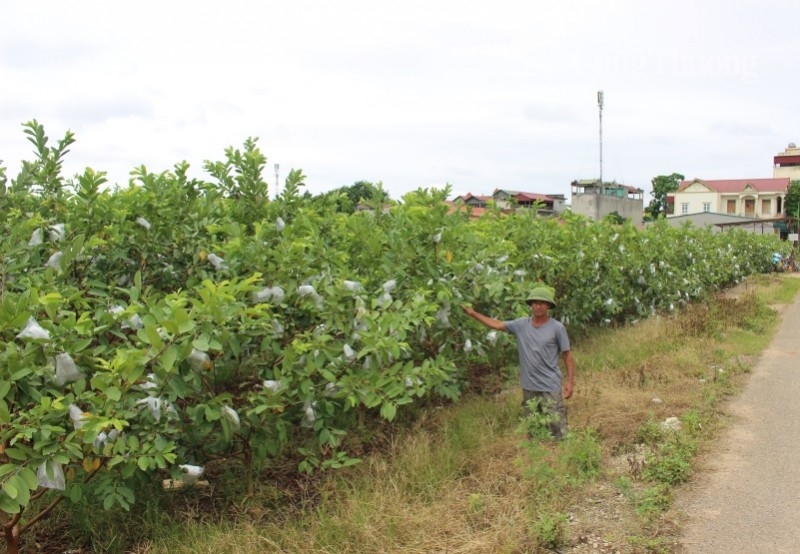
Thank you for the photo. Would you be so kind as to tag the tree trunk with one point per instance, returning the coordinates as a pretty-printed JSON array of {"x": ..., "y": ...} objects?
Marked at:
[{"x": 12, "y": 538}]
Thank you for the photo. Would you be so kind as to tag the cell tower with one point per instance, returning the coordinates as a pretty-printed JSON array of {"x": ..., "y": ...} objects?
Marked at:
[{"x": 600, "y": 107}]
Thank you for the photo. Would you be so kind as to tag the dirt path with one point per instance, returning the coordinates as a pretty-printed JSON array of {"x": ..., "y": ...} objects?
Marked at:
[{"x": 748, "y": 500}]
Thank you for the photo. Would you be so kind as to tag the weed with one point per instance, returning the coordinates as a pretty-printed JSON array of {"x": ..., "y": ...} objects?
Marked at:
[{"x": 551, "y": 529}]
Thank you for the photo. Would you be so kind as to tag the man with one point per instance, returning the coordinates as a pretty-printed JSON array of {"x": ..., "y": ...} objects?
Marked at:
[{"x": 540, "y": 340}]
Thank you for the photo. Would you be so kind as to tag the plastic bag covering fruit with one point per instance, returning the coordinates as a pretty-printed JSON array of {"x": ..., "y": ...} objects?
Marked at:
[
  {"x": 150, "y": 383},
  {"x": 103, "y": 438},
  {"x": 153, "y": 404},
  {"x": 54, "y": 260},
  {"x": 143, "y": 222},
  {"x": 66, "y": 370},
  {"x": 468, "y": 346},
  {"x": 280, "y": 224},
  {"x": 191, "y": 473},
  {"x": 437, "y": 237},
  {"x": 309, "y": 415},
  {"x": 77, "y": 416},
  {"x": 230, "y": 414},
  {"x": 50, "y": 475},
  {"x": 385, "y": 300},
  {"x": 390, "y": 285},
  {"x": 36, "y": 238},
  {"x": 56, "y": 232},
  {"x": 277, "y": 328},
  {"x": 491, "y": 336},
  {"x": 349, "y": 353},
  {"x": 33, "y": 330},
  {"x": 134, "y": 322},
  {"x": 305, "y": 290},
  {"x": 277, "y": 294},
  {"x": 272, "y": 385},
  {"x": 352, "y": 286},
  {"x": 262, "y": 295},
  {"x": 217, "y": 262},
  {"x": 199, "y": 360}
]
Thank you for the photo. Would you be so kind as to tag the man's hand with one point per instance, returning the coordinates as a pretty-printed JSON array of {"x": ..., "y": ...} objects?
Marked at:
[{"x": 568, "y": 386}]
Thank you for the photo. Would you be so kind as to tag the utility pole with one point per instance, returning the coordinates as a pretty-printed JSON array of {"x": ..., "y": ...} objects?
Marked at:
[
  {"x": 277, "y": 173},
  {"x": 600, "y": 106}
]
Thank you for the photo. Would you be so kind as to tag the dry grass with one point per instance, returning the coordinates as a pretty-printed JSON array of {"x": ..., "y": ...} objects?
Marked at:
[{"x": 460, "y": 483}]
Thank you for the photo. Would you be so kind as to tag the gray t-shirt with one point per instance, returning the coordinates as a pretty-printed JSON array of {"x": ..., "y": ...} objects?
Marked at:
[{"x": 539, "y": 349}]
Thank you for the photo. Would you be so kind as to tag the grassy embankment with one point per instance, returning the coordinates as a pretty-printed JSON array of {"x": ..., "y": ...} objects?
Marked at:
[{"x": 465, "y": 479}]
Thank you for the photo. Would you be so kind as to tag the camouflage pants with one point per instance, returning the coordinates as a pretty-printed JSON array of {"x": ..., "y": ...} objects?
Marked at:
[{"x": 549, "y": 403}]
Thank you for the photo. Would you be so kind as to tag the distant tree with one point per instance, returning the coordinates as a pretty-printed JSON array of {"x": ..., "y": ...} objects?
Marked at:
[
  {"x": 614, "y": 218},
  {"x": 792, "y": 202},
  {"x": 662, "y": 186},
  {"x": 347, "y": 199}
]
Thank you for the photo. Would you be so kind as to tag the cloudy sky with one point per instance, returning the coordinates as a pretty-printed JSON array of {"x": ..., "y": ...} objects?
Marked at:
[{"x": 480, "y": 95}]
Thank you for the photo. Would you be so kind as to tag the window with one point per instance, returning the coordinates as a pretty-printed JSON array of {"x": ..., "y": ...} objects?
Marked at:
[
  {"x": 731, "y": 206},
  {"x": 766, "y": 206},
  {"x": 684, "y": 207},
  {"x": 706, "y": 206}
]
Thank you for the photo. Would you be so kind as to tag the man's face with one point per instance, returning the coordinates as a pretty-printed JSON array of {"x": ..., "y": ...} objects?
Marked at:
[{"x": 539, "y": 307}]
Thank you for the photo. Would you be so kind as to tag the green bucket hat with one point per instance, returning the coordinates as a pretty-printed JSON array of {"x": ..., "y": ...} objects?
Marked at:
[{"x": 544, "y": 293}]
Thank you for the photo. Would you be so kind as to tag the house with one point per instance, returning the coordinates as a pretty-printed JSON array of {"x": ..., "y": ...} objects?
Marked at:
[
  {"x": 595, "y": 200},
  {"x": 750, "y": 198},
  {"x": 787, "y": 163},
  {"x": 546, "y": 204}
]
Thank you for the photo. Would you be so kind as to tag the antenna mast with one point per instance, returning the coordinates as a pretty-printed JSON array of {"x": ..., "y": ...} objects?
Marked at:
[
  {"x": 277, "y": 173},
  {"x": 600, "y": 107}
]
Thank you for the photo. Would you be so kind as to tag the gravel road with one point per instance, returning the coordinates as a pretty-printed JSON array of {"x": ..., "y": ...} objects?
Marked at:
[{"x": 749, "y": 499}]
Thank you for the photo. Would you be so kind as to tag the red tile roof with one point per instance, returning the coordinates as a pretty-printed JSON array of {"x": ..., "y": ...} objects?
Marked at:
[{"x": 778, "y": 184}]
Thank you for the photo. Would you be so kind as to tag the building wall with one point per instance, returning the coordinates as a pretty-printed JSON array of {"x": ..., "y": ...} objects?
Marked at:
[
  {"x": 719, "y": 203},
  {"x": 792, "y": 172},
  {"x": 597, "y": 206},
  {"x": 693, "y": 200}
]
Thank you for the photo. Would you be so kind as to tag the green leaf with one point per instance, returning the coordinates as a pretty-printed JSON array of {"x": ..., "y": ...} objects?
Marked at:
[
  {"x": 8, "y": 505},
  {"x": 201, "y": 343},
  {"x": 144, "y": 463},
  {"x": 113, "y": 393},
  {"x": 75, "y": 493},
  {"x": 16, "y": 454},
  {"x": 10, "y": 488},
  {"x": 29, "y": 476},
  {"x": 388, "y": 411},
  {"x": 169, "y": 357}
]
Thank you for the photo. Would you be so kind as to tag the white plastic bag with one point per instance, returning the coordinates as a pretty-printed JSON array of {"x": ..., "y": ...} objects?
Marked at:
[
  {"x": 36, "y": 238},
  {"x": 262, "y": 295},
  {"x": 309, "y": 415},
  {"x": 199, "y": 360},
  {"x": 33, "y": 330},
  {"x": 66, "y": 370},
  {"x": 50, "y": 475},
  {"x": 277, "y": 294},
  {"x": 277, "y": 328},
  {"x": 231, "y": 416},
  {"x": 191, "y": 473},
  {"x": 153, "y": 404},
  {"x": 280, "y": 224},
  {"x": 77, "y": 416},
  {"x": 272, "y": 385},
  {"x": 217, "y": 262},
  {"x": 56, "y": 232},
  {"x": 468, "y": 346},
  {"x": 150, "y": 383},
  {"x": 390, "y": 285},
  {"x": 54, "y": 260},
  {"x": 305, "y": 290},
  {"x": 143, "y": 222},
  {"x": 352, "y": 286},
  {"x": 349, "y": 353},
  {"x": 134, "y": 322}
]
